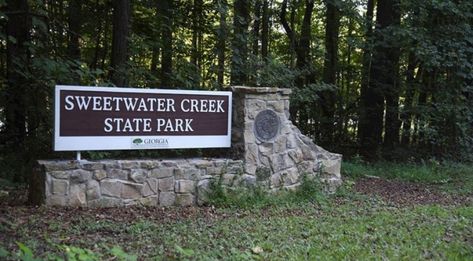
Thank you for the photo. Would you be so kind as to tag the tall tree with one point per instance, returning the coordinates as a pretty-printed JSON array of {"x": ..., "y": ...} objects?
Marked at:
[
  {"x": 256, "y": 27},
  {"x": 165, "y": 15},
  {"x": 196, "y": 54},
  {"x": 366, "y": 65},
  {"x": 265, "y": 30},
  {"x": 301, "y": 45},
  {"x": 332, "y": 28},
  {"x": 74, "y": 20},
  {"x": 383, "y": 84},
  {"x": 221, "y": 41},
  {"x": 302, "y": 41},
  {"x": 388, "y": 68},
  {"x": 121, "y": 33},
  {"x": 18, "y": 60},
  {"x": 239, "y": 70}
]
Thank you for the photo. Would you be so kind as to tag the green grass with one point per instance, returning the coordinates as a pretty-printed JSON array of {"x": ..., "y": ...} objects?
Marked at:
[{"x": 252, "y": 225}]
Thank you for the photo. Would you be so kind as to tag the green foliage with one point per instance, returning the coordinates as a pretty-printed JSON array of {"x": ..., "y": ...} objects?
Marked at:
[
  {"x": 69, "y": 253},
  {"x": 257, "y": 196},
  {"x": 437, "y": 102}
]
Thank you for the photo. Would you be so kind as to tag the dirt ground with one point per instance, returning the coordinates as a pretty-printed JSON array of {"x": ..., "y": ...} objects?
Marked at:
[{"x": 409, "y": 193}]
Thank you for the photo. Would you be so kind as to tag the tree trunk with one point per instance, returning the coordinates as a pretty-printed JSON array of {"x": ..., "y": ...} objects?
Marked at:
[
  {"x": 332, "y": 26},
  {"x": 165, "y": 9},
  {"x": 389, "y": 61},
  {"x": 383, "y": 86},
  {"x": 256, "y": 28},
  {"x": 221, "y": 40},
  {"x": 366, "y": 65},
  {"x": 196, "y": 37},
  {"x": 74, "y": 21},
  {"x": 302, "y": 50},
  {"x": 265, "y": 31},
  {"x": 406, "y": 115},
  {"x": 18, "y": 59},
  {"x": 121, "y": 32},
  {"x": 239, "y": 70}
]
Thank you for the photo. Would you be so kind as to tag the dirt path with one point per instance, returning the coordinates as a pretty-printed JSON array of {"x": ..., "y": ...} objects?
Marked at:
[{"x": 408, "y": 193}]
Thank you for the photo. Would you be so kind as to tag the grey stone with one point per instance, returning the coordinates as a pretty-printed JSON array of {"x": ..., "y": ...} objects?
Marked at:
[
  {"x": 214, "y": 171},
  {"x": 248, "y": 180},
  {"x": 89, "y": 165},
  {"x": 150, "y": 187},
  {"x": 266, "y": 148},
  {"x": 228, "y": 179},
  {"x": 59, "y": 165},
  {"x": 295, "y": 155},
  {"x": 112, "y": 188},
  {"x": 251, "y": 155},
  {"x": 276, "y": 180},
  {"x": 56, "y": 200},
  {"x": 184, "y": 186},
  {"x": 250, "y": 168},
  {"x": 111, "y": 164},
  {"x": 93, "y": 190},
  {"x": 277, "y": 106},
  {"x": 253, "y": 106},
  {"x": 105, "y": 202},
  {"x": 77, "y": 197},
  {"x": 203, "y": 189},
  {"x": 281, "y": 161},
  {"x": 138, "y": 175},
  {"x": 166, "y": 184},
  {"x": 186, "y": 199},
  {"x": 131, "y": 190},
  {"x": 291, "y": 176},
  {"x": 149, "y": 201},
  {"x": 100, "y": 174},
  {"x": 169, "y": 164},
  {"x": 167, "y": 198},
  {"x": 118, "y": 174},
  {"x": 59, "y": 187},
  {"x": 202, "y": 164},
  {"x": 291, "y": 142},
  {"x": 235, "y": 169},
  {"x": 149, "y": 164},
  {"x": 130, "y": 164},
  {"x": 280, "y": 144},
  {"x": 59, "y": 174},
  {"x": 162, "y": 173},
  {"x": 80, "y": 176},
  {"x": 187, "y": 173}
]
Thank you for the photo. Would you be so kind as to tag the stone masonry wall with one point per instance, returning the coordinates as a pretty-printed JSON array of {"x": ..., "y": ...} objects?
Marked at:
[
  {"x": 110, "y": 183},
  {"x": 275, "y": 162},
  {"x": 279, "y": 162}
]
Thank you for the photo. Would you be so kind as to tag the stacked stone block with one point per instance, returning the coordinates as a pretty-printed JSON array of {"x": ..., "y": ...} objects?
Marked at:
[
  {"x": 111, "y": 183},
  {"x": 281, "y": 161}
]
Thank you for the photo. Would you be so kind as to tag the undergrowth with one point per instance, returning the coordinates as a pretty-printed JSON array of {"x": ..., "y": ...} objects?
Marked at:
[{"x": 257, "y": 196}]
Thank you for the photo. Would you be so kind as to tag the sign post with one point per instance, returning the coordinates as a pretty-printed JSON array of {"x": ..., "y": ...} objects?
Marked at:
[{"x": 103, "y": 118}]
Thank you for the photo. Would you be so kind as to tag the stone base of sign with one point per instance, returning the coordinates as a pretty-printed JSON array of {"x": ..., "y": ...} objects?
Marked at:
[
  {"x": 275, "y": 156},
  {"x": 282, "y": 160},
  {"x": 110, "y": 183}
]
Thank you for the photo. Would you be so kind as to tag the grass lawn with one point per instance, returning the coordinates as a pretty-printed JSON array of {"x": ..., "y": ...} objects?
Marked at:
[{"x": 361, "y": 221}]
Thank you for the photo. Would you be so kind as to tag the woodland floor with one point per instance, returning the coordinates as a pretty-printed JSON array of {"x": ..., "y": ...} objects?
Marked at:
[{"x": 371, "y": 217}]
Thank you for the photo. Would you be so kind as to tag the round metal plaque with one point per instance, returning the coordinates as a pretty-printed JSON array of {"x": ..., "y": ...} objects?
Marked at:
[{"x": 266, "y": 125}]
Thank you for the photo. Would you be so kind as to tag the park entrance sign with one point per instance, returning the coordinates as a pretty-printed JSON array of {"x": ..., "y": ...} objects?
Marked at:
[{"x": 102, "y": 118}]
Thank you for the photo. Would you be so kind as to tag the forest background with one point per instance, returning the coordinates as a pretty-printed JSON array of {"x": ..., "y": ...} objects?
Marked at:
[{"x": 379, "y": 79}]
